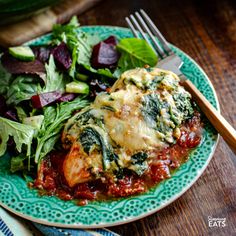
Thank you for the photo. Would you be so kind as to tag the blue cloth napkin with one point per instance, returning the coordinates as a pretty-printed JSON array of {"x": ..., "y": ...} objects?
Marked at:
[
  {"x": 4, "y": 229},
  {"x": 54, "y": 231},
  {"x": 11, "y": 225}
]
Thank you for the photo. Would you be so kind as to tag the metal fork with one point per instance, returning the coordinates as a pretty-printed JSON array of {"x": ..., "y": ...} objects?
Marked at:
[{"x": 141, "y": 25}]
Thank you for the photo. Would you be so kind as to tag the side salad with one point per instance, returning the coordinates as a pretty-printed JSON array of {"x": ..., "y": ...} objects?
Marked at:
[{"x": 41, "y": 87}]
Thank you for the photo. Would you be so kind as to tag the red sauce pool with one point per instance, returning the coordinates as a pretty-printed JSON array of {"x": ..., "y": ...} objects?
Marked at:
[{"x": 51, "y": 181}]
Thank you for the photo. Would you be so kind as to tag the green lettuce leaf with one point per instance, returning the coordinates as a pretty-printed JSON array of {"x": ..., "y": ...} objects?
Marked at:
[
  {"x": 78, "y": 42},
  {"x": 54, "y": 79},
  {"x": 22, "y": 134},
  {"x": 101, "y": 72},
  {"x": 81, "y": 51},
  {"x": 54, "y": 119},
  {"x": 21, "y": 114},
  {"x": 22, "y": 88},
  {"x": 135, "y": 53},
  {"x": 5, "y": 80},
  {"x": 64, "y": 33}
]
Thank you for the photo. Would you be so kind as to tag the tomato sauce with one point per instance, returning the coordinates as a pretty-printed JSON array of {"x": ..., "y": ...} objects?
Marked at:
[{"x": 51, "y": 181}]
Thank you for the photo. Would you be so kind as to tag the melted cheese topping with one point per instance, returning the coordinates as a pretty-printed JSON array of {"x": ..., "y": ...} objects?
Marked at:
[
  {"x": 125, "y": 124},
  {"x": 136, "y": 116}
]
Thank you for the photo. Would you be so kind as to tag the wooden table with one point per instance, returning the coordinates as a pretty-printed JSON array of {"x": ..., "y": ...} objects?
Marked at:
[{"x": 206, "y": 30}]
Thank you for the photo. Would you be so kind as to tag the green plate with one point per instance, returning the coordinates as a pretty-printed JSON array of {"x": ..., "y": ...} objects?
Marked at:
[{"x": 18, "y": 198}]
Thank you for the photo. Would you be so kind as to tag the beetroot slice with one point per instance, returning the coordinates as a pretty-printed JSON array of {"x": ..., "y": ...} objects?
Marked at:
[
  {"x": 112, "y": 40},
  {"x": 42, "y": 53},
  {"x": 62, "y": 56},
  {"x": 66, "y": 97},
  {"x": 44, "y": 99},
  {"x": 104, "y": 54},
  {"x": 14, "y": 66}
]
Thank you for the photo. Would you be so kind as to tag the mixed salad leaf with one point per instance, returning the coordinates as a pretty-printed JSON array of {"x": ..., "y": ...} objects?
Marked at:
[
  {"x": 55, "y": 81},
  {"x": 21, "y": 133},
  {"x": 42, "y": 86},
  {"x": 5, "y": 79},
  {"x": 54, "y": 119},
  {"x": 135, "y": 53},
  {"x": 22, "y": 88}
]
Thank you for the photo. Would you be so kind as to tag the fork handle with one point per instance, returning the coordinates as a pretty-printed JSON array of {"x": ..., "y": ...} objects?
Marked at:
[{"x": 217, "y": 120}]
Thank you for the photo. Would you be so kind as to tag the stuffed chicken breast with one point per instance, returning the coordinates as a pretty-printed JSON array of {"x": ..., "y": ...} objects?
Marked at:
[{"x": 126, "y": 127}]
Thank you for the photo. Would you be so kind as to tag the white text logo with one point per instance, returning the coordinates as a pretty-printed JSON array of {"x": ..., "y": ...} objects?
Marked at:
[{"x": 216, "y": 222}]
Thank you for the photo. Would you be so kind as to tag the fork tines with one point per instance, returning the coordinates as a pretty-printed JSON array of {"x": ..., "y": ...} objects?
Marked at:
[{"x": 144, "y": 25}]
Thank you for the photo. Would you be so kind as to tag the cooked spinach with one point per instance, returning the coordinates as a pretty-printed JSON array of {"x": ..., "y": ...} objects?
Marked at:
[
  {"x": 164, "y": 116},
  {"x": 139, "y": 164},
  {"x": 183, "y": 104},
  {"x": 109, "y": 108},
  {"x": 92, "y": 138},
  {"x": 162, "y": 127},
  {"x": 119, "y": 173},
  {"x": 154, "y": 83},
  {"x": 151, "y": 106},
  {"x": 175, "y": 116},
  {"x": 139, "y": 157},
  {"x": 87, "y": 117},
  {"x": 82, "y": 118}
]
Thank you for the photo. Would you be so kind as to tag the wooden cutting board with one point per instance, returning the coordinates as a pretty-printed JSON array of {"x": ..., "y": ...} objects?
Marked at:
[{"x": 18, "y": 33}]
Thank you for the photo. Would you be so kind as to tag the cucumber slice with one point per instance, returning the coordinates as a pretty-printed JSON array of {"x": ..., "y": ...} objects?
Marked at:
[
  {"x": 77, "y": 87},
  {"x": 23, "y": 53},
  {"x": 81, "y": 77},
  {"x": 35, "y": 121}
]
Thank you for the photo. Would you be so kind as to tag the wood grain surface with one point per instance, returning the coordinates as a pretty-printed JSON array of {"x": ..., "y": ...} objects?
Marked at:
[
  {"x": 226, "y": 131},
  {"x": 206, "y": 30},
  {"x": 22, "y": 31}
]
